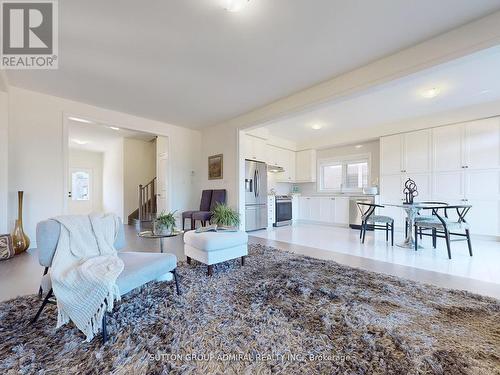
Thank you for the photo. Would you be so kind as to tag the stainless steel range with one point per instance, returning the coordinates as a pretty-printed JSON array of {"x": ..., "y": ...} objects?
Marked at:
[{"x": 283, "y": 210}]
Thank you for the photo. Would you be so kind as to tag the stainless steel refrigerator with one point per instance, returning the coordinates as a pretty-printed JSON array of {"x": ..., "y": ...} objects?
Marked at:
[{"x": 255, "y": 195}]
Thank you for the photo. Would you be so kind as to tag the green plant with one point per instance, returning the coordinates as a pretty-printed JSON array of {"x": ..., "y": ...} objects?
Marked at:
[
  {"x": 224, "y": 215},
  {"x": 166, "y": 220}
]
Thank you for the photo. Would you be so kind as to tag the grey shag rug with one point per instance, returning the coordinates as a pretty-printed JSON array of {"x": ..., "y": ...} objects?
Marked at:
[{"x": 281, "y": 313}]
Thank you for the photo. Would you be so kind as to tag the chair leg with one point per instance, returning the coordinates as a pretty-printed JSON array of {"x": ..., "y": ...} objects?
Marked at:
[
  {"x": 416, "y": 238},
  {"x": 386, "y": 232},
  {"x": 210, "y": 270},
  {"x": 183, "y": 223},
  {"x": 104, "y": 328},
  {"x": 392, "y": 233},
  {"x": 406, "y": 228},
  {"x": 242, "y": 260},
  {"x": 45, "y": 301},
  {"x": 469, "y": 244},
  {"x": 193, "y": 224},
  {"x": 420, "y": 232},
  {"x": 448, "y": 246},
  {"x": 188, "y": 260},
  {"x": 364, "y": 232},
  {"x": 434, "y": 238},
  {"x": 361, "y": 230},
  {"x": 174, "y": 272}
]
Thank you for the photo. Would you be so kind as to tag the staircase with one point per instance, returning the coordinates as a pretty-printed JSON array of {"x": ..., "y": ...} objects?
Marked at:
[{"x": 143, "y": 217}]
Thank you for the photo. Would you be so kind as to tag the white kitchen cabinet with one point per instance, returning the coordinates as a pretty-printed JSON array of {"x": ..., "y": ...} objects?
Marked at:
[
  {"x": 417, "y": 152},
  {"x": 305, "y": 208},
  {"x": 254, "y": 148},
  {"x": 458, "y": 164},
  {"x": 286, "y": 159},
  {"x": 471, "y": 145},
  {"x": 315, "y": 208},
  {"x": 391, "y": 191},
  {"x": 342, "y": 210},
  {"x": 295, "y": 207},
  {"x": 271, "y": 210},
  {"x": 447, "y": 146},
  {"x": 391, "y": 149},
  {"x": 272, "y": 155},
  {"x": 406, "y": 153},
  {"x": 327, "y": 210},
  {"x": 305, "y": 166},
  {"x": 482, "y": 144}
]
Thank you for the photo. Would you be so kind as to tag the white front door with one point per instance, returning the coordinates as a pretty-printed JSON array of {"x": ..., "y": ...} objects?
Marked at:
[{"x": 81, "y": 192}]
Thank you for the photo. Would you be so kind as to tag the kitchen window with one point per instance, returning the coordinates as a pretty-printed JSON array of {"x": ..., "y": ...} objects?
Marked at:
[{"x": 343, "y": 175}]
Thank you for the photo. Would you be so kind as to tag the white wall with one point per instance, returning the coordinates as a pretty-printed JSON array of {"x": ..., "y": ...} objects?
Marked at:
[
  {"x": 139, "y": 168},
  {"x": 36, "y": 153},
  {"x": 4, "y": 117},
  {"x": 94, "y": 161},
  {"x": 112, "y": 179}
]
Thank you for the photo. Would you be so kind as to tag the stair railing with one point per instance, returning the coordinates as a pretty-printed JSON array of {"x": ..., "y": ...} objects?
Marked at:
[{"x": 147, "y": 200}]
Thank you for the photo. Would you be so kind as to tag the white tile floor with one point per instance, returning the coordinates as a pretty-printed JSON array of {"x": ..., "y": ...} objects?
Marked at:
[{"x": 483, "y": 266}]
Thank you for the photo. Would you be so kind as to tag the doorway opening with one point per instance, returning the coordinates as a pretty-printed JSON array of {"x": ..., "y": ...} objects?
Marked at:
[{"x": 117, "y": 170}]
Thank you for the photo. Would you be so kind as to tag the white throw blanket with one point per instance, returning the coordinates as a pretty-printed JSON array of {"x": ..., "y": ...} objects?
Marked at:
[{"x": 84, "y": 270}]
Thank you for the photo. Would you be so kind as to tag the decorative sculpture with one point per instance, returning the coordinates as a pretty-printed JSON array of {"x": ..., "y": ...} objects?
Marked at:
[{"x": 410, "y": 191}]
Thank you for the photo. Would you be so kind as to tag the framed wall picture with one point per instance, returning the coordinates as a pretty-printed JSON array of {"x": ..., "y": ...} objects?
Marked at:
[{"x": 215, "y": 167}]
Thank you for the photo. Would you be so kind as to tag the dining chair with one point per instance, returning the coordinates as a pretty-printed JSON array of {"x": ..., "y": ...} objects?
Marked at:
[
  {"x": 370, "y": 221},
  {"x": 442, "y": 226},
  {"x": 424, "y": 203}
]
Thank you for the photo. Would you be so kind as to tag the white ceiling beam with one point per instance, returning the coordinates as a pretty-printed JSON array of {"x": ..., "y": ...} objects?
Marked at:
[{"x": 472, "y": 37}]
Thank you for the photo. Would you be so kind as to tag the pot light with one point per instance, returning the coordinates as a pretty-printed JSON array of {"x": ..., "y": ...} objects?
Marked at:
[
  {"x": 430, "y": 93},
  {"x": 78, "y": 119},
  {"x": 79, "y": 142},
  {"x": 358, "y": 146},
  {"x": 235, "y": 5},
  {"x": 114, "y": 128},
  {"x": 316, "y": 126}
]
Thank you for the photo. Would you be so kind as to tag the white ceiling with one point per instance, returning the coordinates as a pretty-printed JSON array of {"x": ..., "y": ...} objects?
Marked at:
[
  {"x": 192, "y": 63},
  {"x": 99, "y": 136},
  {"x": 464, "y": 82}
]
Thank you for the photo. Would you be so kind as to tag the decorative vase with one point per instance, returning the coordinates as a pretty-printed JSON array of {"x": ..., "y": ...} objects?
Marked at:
[{"x": 20, "y": 240}]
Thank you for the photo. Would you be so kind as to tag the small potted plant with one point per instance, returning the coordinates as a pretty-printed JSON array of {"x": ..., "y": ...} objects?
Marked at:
[
  {"x": 164, "y": 224},
  {"x": 224, "y": 216}
]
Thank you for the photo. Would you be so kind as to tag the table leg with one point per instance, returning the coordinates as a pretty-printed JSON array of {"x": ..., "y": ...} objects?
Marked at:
[
  {"x": 161, "y": 245},
  {"x": 409, "y": 241}
]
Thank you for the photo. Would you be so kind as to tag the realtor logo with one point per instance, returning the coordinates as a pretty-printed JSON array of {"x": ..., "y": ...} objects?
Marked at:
[{"x": 29, "y": 35}]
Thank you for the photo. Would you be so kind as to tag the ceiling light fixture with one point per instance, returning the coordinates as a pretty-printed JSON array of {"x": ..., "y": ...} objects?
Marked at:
[
  {"x": 114, "y": 128},
  {"x": 79, "y": 142},
  {"x": 235, "y": 5},
  {"x": 358, "y": 146},
  {"x": 484, "y": 92},
  {"x": 431, "y": 93},
  {"x": 78, "y": 119},
  {"x": 316, "y": 126}
]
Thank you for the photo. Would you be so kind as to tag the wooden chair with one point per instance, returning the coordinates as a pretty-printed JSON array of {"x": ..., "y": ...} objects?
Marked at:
[
  {"x": 370, "y": 221},
  {"x": 442, "y": 226}
]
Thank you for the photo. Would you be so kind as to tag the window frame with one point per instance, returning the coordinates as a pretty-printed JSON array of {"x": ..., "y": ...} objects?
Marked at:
[{"x": 342, "y": 160}]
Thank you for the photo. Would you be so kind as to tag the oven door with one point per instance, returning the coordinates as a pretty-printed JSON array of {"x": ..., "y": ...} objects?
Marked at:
[{"x": 283, "y": 212}]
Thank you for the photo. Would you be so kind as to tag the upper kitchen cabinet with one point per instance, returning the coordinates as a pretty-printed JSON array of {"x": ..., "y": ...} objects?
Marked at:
[
  {"x": 254, "y": 148},
  {"x": 482, "y": 144},
  {"x": 391, "y": 148},
  {"x": 284, "y": 158},
  {"x": 405, "y": 153},
  {"x": 417, "y": 151},
  {"x": 471, "y": 145},
  {"x": 447, "y": 146},
  {"x": 305, "y": 166}
]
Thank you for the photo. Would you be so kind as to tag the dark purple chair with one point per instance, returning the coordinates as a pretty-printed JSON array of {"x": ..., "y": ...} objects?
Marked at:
[
  {"x": 206, "y": 200},
  {"x": 218, "y": 196}
]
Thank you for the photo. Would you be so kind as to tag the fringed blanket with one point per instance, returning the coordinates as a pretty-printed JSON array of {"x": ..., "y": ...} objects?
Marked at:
[{"x": 84, "y": 270}]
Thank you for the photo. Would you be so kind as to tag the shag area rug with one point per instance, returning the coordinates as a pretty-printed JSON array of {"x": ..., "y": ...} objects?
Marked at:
[{"x": 281, "y": 313}]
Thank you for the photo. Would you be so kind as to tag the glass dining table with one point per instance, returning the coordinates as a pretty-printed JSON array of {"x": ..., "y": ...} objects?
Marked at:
[{"x": 412, "y": 210}]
